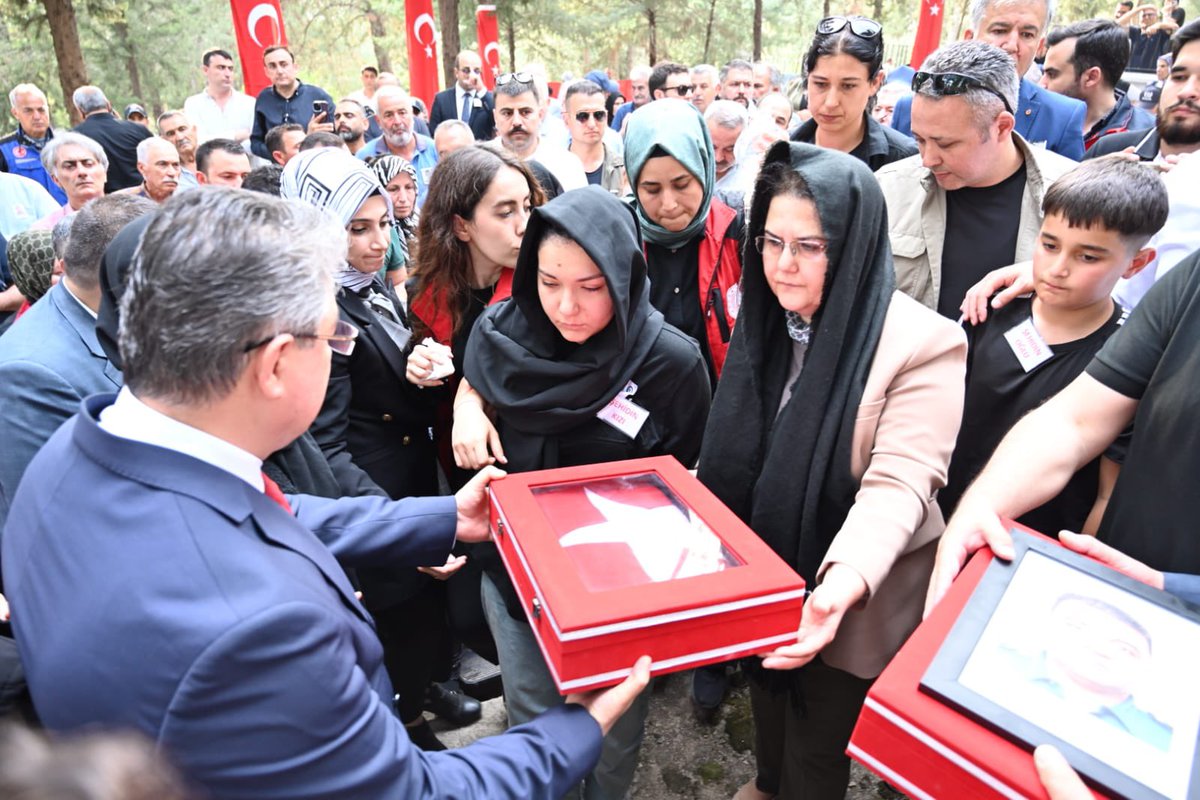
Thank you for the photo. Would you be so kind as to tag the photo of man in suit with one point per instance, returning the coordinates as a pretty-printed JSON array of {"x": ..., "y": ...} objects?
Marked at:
[
  {"x": 467, "y": 100},
  {"x": 214, "y": 611}
]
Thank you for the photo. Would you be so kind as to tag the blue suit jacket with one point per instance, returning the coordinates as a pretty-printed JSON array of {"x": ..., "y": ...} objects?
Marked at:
[
  {"x": 1043, "y": 118},
  {"x": 188, "y": 605},
  {"x": 50, "y": 359}
]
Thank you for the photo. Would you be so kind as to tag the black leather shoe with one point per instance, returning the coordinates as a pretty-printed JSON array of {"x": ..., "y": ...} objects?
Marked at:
[
  {"x": 422, "y": 736},
  {"x": 708, "y": 692},
  {"x": 452, "y": 706}
]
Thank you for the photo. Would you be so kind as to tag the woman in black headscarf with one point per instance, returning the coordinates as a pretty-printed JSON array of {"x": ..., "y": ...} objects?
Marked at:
[
  {"x": 578, "y": 334},
  {"x": 830, "y": 434}
]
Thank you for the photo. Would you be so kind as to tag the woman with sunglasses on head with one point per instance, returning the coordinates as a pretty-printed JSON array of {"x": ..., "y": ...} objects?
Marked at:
[
  {"x": 579, "y": 336},
  {"x": 374, "y": 421},
  {"x": 830, "y": 434},
  {"x": 693, "y": 240},
  {"x": 843, "y": 71}
]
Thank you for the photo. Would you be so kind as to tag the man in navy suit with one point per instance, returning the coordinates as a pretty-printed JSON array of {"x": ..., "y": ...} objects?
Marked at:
[
  {"x": 466, "y": 100},
  {"x": 1044, "y": 119},
  {"x": 51, "y": 359},
  {"x": 159, "y": 582}
]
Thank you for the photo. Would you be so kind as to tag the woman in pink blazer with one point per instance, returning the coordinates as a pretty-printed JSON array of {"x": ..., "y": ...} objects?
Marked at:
[{"x": 830, "y": 434}]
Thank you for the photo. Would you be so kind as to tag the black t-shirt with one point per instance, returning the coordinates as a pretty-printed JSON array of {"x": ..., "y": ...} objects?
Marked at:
[
  {"x": 1000, "y": 392},
  {"x": 1155, "y": 507},
  {"x": 593, "y": 177},
  {"x": 675, "y": 288},
  {"x": 1144, "y": 50},
  {"x": 981, "y": 235}
]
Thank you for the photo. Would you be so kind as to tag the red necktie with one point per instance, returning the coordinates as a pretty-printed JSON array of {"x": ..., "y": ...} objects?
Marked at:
[{"x": 272, "y": 490}]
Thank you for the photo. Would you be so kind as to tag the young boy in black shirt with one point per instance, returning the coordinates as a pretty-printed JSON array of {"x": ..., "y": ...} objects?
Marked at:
[{"x": 1097, "y": 221}]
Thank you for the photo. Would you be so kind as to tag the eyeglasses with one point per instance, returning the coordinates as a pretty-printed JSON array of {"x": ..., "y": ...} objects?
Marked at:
[
  {"x": 509, "y": 77},
  {"x": 340, "y": 341},
  {"x": 683, "y": 90},
  {"x": 861, "y": 27},
  {"x": 597, "y": 116},
  {"x": 954, "y": 83},
  {"x": 807, "y": 247},
  {"x": 470, "y": 70}
]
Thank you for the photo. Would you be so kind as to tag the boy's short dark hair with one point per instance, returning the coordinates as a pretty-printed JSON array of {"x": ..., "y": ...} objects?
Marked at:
[
  {"x": 1122, "y": 196},
  {"x": 663, "y": 70},
  {"x": 264, "y": 179}
]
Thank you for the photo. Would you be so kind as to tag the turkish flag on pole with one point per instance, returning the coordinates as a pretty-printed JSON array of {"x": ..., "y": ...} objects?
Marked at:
[
  {"x": 258, "y": 25},
  {"x": 489, "y": 44},
  {"x": 929, "y": 32},
  {"x": 422, "y": 50}
]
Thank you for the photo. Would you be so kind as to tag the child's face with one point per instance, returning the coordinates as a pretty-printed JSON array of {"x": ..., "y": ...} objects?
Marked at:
[{"x": 1076, "y": 267}]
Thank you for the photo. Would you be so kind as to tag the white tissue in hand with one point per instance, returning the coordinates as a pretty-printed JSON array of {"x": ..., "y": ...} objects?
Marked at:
[{"x": 443, "y": 363}]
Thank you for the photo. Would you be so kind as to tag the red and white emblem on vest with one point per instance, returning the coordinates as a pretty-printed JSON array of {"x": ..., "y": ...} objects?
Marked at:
[{"x": 19, "y": 151}]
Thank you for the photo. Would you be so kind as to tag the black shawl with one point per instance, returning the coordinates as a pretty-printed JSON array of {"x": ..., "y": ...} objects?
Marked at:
[
  {"x": 538, "y": 383},
  {"x": 788, "y": 477}
]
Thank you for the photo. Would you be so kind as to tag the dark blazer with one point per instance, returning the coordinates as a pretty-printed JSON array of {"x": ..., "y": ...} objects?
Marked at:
[
  {"x": 377, "y": 424},
  {"x": 232, "y": 637},
  {"x": 1144, "y": 142},
  {"x": 482, "y": 122},
  {"x": 119, "y": 138},
  {"x": 1044, "y": 119}
]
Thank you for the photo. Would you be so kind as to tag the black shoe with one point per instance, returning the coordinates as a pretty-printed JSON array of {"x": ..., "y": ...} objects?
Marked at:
[
  {"x": 708, "y": 692},
  {"x": 478, "y": 677},
  {"x": 422, "y": 736},
  {"x": 451, "y": 705}
]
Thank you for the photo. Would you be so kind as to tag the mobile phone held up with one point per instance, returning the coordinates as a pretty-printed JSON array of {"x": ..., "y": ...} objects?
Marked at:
[{"x": 320, "y": 107}]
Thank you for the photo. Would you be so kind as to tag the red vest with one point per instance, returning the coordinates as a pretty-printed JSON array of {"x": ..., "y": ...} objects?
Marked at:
[{"x": 720, "y": 275}]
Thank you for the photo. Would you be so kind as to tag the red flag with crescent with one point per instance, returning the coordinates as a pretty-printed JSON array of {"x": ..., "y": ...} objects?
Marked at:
[
  {"x": 929, "y": 31},
  {"x": 422, "y": 50},
  {"x": 489, "y": 44},
  {"x": 258, "y": 25}
]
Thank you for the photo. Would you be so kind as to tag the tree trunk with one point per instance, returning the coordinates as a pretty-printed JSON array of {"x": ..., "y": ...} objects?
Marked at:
[
  {"x": 878, "y": 14},
  {"x": 652, "y": 31},
  {"x": 121, "y": 34},
  {"x": 825, "y": 9},
  {"x": 512, "y": 42},
  {"x": 758, "y": 15},
  {"x": 72, "y": 71},
  {"x": 712, "y": 11},
  {"x": 383, "y": 60},
  {"x": 451, "y": 41}
]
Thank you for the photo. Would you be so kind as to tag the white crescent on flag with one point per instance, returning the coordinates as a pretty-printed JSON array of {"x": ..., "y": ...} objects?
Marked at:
[
  {"x": 260, "y": 11},
  {"x": 423, "y": 19},
  {"x": 487, "y": 53}
]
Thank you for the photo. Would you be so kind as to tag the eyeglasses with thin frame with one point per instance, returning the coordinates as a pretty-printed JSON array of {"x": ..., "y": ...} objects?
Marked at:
[
  {"x": 509, "y": 77},
  {"x": 600, "y": 116},
  {"x": 806, "y": 247},
  {"x": 340, "y": 341},
  {"x": 683, "y": 89},
  {"x": 954, "y": 83},
  {"x": 861, "y": 27}
]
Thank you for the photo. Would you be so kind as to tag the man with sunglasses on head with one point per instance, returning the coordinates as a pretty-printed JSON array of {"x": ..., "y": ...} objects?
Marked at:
[
  {"x": 587, "y": 120},
  {"x": 971, "y": 200},
  {"x": 519, "y": 114},
  {"x": 467, "y": 100},
  {"x": 1018, "y": 27}
]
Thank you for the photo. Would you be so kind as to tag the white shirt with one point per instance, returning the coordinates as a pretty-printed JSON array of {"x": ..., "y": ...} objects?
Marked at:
[
  {"x": 132, "y": 419},
  {"x": 363, "y": 100},
  {"x": 562, "y": 164},
  {"x": 459, "y": 93},
  {"x": 213, "y": 122}
]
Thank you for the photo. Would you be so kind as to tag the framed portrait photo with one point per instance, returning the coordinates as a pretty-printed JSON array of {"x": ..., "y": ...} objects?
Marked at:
[{"x": 1054, "y": 648}]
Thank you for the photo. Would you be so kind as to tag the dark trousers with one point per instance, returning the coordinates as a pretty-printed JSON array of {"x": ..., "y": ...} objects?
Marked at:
[
  {"x": 800, "y": 747},
  {"x": 416, "y": 645}
]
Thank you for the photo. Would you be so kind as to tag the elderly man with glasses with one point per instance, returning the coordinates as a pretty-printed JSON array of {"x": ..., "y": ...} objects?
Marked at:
[
  {"x": 467, "y": 100},
  {"x": 971, "y": 200}
]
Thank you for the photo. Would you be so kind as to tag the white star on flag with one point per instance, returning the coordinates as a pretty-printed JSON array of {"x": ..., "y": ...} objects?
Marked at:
[
  {"x": 429, "y": 52},
  {"x": 933, "y": 10}
]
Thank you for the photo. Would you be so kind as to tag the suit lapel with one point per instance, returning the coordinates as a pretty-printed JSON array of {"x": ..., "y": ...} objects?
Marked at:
[
  {"x": 373, "y": 331},
  {"x": 85, "y": 326},
  {"x": 1028, "y": 106}
]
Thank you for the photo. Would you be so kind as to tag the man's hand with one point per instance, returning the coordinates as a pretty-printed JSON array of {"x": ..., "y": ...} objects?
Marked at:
[
  {"x": 608, "y": 705},
  {"x": 453, "y": 564},
  {"x": 318, "y": 123},
  {"x": 840, "y": 589},
  {"x": 1058, "y": 779},
  {"x": 1111, "y": 557},
  {"x": 4, "y": 612},
  {"x": 1015, "y": 280},
  {"x": 472, "y": 502},
  {"x": 972, "y": 527}
]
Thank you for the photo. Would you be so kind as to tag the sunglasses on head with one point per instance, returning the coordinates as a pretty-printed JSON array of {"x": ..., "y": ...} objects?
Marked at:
[
  {"x": 598, "y": 116},
  {"x": 861, "y": 27},
  {"x": 954, "y": 83},
  {"x": 510, "y": 77}
]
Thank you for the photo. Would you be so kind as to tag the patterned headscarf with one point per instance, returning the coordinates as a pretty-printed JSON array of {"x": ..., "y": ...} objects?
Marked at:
[
  {"x": 31, "y": 260},
  {"x": 386, "y": 168}
]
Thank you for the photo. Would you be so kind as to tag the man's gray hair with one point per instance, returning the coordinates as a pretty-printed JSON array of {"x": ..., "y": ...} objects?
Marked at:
[
  {"x": 980, "y": 9},
  {"x": 50, "y": 151},
  {"x": 23, "y": 88},
  {"x": 60, "y": 234},
  {"x": 217, "y": 272},
  {"x": 143, "y": 147},
  {"x": 735, "y": 63},
  {"x": 89, "y": 99},
  {"x": 987, "y": 64},
  {"x": 96, "y": 224},
  {"x": 452, "y": 123},
  {"x": 706, "y": 69},
  {"x": 728, "y": 114}
]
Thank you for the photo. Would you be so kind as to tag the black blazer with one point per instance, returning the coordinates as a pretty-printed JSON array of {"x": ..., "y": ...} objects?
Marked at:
[
  {"x": 377, "y": 423},
  {"x": 119, "y": 139},
  {"x": 483, "y": 122}
]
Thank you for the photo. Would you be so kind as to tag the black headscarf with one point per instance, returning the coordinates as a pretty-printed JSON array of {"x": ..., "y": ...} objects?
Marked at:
[
  {"x": 788, "y": 476},
  {"x": 114, "y": 269},
  {"x": 540, "y": 384}
]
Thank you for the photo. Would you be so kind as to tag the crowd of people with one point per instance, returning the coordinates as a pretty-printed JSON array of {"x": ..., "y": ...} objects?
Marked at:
[{"x": 275, "y": 348}]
